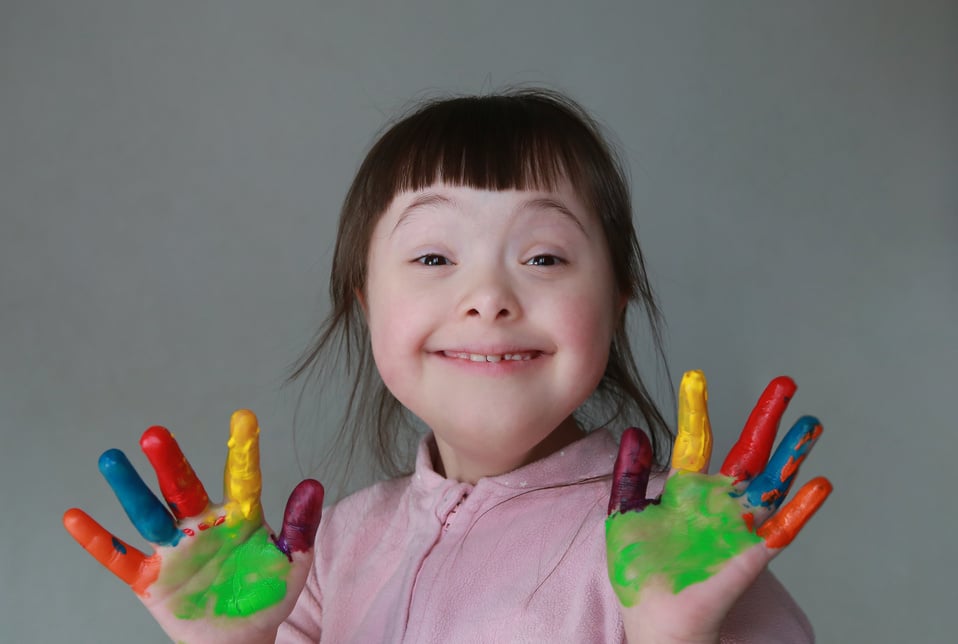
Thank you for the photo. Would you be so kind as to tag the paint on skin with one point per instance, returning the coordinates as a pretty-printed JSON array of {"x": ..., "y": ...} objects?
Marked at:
[
  {"x": 770, "y": 488},
  {"x": 781, "y": 529},
  {"x": 181, "y": 488},
  {"x": 301, "y": 518},
  {"x": 630, "y": 476},
  {"x": 693, "y": 445},
  {"x": 685, "y": 539},
  {"x": 750, "y": 453},
  {"x": 123, "y": 560},
  {"x": 150, "y": 517},
  {"x": 248, "y": 578},
  {"x": 242, "y": 481}
]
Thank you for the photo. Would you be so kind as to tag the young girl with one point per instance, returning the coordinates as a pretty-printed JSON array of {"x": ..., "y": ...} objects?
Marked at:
[{"x": 485, "y": 261}]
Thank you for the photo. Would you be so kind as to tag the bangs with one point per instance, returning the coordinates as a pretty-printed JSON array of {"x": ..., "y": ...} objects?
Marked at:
[{"x": 528, "y": 140}]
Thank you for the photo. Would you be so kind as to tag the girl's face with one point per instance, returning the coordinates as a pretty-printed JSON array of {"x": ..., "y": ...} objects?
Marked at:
[{"x": 491, "y": 315}]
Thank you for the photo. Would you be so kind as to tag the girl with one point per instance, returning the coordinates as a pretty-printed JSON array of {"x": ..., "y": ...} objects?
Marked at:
[{"x": 484, "y": 265}]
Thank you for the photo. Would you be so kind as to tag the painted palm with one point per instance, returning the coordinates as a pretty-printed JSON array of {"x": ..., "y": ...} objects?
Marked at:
[
  {"x": 217, "y": 572},
  {"x": 681, "y": 561}
]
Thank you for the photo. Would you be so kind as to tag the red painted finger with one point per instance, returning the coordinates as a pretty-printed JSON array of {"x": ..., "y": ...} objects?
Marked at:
[
  {"x": 301, "y": 519},
  {"x": 749, "y": 455},
  {"x": 181, "y": 488},
  {"x": 781, "y": 529},
  {"x": 123, "y": 560},
  {"x": 630, "y": 477}
]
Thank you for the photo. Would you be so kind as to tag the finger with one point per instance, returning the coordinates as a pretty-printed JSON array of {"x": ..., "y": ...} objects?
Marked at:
[
  {"x": 123, "y": 560},
  {"x": 242, "y": 480},
  {"x": 630, "y": 476},
  {"x": 767, "y": 490},
  {"x": 301, "y": 519},
  {"x": 749, "y": 455},
  {"x": 180, "y": 486},
  {"x": 147, "y": 513},
  {"x": 781, "y": 529},
  {"x": 693, "y": 443}
]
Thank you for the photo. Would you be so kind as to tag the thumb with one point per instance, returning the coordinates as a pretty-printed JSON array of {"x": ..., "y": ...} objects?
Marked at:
[{"x": 301, "y": 519}]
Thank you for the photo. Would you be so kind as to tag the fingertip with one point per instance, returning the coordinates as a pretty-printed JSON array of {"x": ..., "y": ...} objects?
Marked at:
[
  {"x": 155, "y": 437},
  {"x": 73, "y": 518},
  {"x": 694, "y": 383},
  {"x": 243, "y": 422},
  {"x": 110, "y": 460},
  {"x": 783, "y": 385}
]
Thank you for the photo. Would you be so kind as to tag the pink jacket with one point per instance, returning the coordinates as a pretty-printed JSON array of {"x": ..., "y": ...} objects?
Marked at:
[{"x": 515, "y": 558}]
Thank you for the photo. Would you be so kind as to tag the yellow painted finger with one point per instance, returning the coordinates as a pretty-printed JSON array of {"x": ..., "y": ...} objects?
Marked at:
[
  {"x": 242, "y": 481},
  {"x": 693, "y": 444}
]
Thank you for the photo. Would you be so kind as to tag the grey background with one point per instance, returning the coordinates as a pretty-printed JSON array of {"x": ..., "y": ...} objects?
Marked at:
[{"x": 170, "y": 174}]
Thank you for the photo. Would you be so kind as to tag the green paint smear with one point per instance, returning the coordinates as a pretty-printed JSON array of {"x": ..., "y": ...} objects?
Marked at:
[
  {"x": 684, "y": 540},
  {"x": 244, "y": 579}
]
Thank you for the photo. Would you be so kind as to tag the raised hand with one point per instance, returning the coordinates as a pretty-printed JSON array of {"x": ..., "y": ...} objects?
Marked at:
[
  {"x": 217, "y": 572},
  {"x": 680, "y": 562}
]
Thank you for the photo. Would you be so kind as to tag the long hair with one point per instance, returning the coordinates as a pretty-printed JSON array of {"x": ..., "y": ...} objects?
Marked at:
[{"x": 519, "y": 139}]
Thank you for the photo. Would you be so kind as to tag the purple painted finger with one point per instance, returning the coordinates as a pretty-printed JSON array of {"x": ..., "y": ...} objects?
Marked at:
[
  {"x": 630, "y": 477},
  {"x": 301, "y": 519}
]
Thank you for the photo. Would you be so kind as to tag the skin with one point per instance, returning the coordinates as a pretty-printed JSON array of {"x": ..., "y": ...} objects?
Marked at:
[
  {"x": 679, "y": 563},
  {"x": 217, "y": 573},
  {"x": 454, "y": 271}
]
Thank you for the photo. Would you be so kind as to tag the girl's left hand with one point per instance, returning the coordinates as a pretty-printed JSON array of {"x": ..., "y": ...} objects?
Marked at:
[{"x": 680, "y": 562}]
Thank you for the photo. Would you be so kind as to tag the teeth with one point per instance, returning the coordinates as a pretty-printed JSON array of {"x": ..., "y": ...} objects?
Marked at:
[{"x": 480, "y": 357}]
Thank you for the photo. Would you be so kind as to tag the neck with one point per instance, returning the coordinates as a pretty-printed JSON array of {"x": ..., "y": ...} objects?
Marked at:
[{"x": 471, "y": 466}]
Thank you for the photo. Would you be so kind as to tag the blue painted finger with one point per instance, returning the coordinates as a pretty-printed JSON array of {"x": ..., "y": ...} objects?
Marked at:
[
  {"x": 769, "y": 489},
  {"x": 630, "y": 477},
  {"x": 147, "y": 513}
]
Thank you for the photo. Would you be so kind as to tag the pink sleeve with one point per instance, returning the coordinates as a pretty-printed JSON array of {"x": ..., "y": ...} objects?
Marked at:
[
  {"x": 766, "y": 613},
  {"x": 302, "y": 625}
]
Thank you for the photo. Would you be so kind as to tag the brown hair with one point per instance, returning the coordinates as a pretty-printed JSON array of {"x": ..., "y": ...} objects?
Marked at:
[{"x": 519, "y": 139}]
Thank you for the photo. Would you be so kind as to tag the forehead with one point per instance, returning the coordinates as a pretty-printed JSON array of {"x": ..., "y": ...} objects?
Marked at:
[{"x": 562, "y": 198}]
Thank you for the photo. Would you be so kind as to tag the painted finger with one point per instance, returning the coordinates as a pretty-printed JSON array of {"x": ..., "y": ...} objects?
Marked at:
[
  {"x": 767, "y": 490},
  {"x": 147, "y": 513},
  {"x": 123, "y": 560},
  {"x": 693, "y": 443},
  {"x": 781, "y": 529},
  {"x": 749, "y": 455},
  {"x": 630, "y": 477},
  {"x": 181, "y": 488},
  {"x": 301, "y": 519},
  {"x": 242, "y": 481}
]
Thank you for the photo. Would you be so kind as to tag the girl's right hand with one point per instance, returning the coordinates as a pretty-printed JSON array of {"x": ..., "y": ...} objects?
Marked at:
[{"x": 217, "y": 573}]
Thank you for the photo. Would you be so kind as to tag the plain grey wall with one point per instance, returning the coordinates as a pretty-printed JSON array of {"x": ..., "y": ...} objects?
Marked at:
[{"x": 170, "y": 174}]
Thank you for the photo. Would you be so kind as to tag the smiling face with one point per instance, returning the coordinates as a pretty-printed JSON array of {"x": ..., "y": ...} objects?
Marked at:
[{"x": 491, "y": 314}]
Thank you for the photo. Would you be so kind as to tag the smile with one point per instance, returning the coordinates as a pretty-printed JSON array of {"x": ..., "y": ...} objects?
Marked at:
[{"x": 499, "y": 357}]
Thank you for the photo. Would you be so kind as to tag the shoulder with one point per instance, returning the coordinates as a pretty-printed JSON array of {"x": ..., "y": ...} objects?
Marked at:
[{"x": 767, "y": 613}]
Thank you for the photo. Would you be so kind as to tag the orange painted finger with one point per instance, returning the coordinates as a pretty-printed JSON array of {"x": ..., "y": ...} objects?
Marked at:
[
  {"x": 123, "y": 560},
  {"x": 749, "y": 455},
  {"x": 781, "y": 529},
  {"x": 181, "y": 488},
  {"x": 693, "y": 441},
  {"x": 242, "y": 481}
]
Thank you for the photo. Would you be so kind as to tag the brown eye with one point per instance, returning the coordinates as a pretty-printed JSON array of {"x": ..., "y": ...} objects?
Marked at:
[
  {"x": 433, "y": 260},
  {"x": 544, "y": 260}
]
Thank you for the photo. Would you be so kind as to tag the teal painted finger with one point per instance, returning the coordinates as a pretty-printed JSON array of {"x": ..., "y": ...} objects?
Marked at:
[
  {"x": 769, "y": 489},
  {"x": 147, "y": 513}
]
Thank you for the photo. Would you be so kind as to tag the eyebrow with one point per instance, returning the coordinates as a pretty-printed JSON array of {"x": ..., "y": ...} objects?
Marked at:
[
  {"x": 432, "y": 199},
  {"x": 425, "y": 200},
  {"x": 545, "y": 203}
]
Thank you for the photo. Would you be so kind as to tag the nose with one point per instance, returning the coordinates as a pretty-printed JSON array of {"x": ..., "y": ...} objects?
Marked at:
[{"x": 490, "y": 297}]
